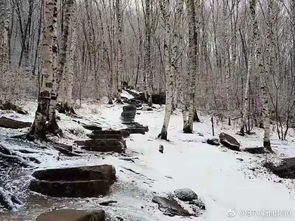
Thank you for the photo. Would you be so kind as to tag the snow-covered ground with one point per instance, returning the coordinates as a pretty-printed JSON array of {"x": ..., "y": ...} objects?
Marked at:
[{"x": 233, "y": 185}]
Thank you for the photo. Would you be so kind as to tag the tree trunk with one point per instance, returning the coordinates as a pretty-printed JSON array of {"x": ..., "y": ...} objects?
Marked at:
[
  {"x": 120, "y": 66},
  {"x": 4, "y": 42},
  {"x": 147, "y": 53},
  {"x": 39, "y": 128},
  {"x": 164, "y": 6},
  {"x": 263, "y": 70},
  {"x": 67, "y": 103},
  {"x": 252, "y": 48},
  {"x": 192, "y": 61}
]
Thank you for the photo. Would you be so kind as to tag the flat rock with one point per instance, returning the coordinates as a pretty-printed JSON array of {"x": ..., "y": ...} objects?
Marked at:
[
  {"x": 109, "y": 133},
  {"x": 256, "y": 150},
  {"x": 285, "y": 170},
  {"x": 229, "y": 141},
  {"x": 103, "y": 145},
  {"x": 105, "y": 136},
  {"x": 185, "y": 194},
  {"x": 170, "y": 207},
  {"x": 136, "y": 130},
  {"x": 13, "y": 124},
  {"x": 92, "y": 181},
  {"x": 72, "y": 215},
  {"x": 129, "y": 108},
  {"x": 213, "y": 141},
  {"x": 92, "y": 127}
]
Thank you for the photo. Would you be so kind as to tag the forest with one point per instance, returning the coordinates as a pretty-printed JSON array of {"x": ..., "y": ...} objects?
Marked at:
[{"x": 147, "y": 110}]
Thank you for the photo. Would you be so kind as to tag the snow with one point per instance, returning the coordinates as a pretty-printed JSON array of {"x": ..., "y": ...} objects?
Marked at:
[{"x": 224, "y": 182}]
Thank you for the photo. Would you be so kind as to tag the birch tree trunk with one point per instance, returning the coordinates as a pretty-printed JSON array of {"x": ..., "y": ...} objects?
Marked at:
[
  {"x": 164, "y": 7},
  {"x": 263, "y": 70},
  {"x": 252, "y": 48},
  {"x": 39, "y": 128},
  {"x": 52, "y": 126},
  {"x": 147, "y": 53},
  {"x": 192, "y": 62},
  {"x": 67, "y": 103},
  {"x": 120, "y": 66},
  {"x": 4, "y": 47}
]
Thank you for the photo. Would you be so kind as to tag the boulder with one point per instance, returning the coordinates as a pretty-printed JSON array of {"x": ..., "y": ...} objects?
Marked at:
[
  {"x": 13, "y": 124},
  {"x": 199, "y": 203},
  {"x": 285, "y": 170},
  {"x": 229, "y": 142},
  {"x": 185, "y": 194},
  {"x": 103, "y": 145},
  {"x": 170, "y": 207},
  {"x": 72, "y": 215},
  {"x": 213, "y": 141},
  {"x": 91, "y": 181}
]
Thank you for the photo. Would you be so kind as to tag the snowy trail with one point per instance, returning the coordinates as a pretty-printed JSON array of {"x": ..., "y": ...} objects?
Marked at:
[{"x": 215, "y": 175}]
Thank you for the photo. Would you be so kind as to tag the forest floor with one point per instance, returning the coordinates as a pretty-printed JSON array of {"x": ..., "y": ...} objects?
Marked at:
[{"x": 230, "y": 183}]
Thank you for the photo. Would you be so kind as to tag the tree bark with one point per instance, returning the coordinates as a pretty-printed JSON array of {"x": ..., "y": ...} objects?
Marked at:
[
  {"x": 4, "y": 35},
  {"x": 147, "y": 54},
  {"x": 192, "y": 61},
  {"x": 164, "y": 6},
  {"x": 120, "y": 65},
  {"x": 39, "y": 128},
  {"x": 249, "y": 68},
  {"x": 67, "y": 103}
]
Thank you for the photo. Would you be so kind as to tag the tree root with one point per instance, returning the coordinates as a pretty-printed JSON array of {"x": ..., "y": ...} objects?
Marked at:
[
  {"x": 9, "y": 106},
  {"x": 65, "y": 150},
  {"x": 8, "y": 201},
  {"x": 12, "y": 157}
]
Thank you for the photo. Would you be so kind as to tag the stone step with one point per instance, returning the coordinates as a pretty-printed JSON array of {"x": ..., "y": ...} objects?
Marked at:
[
  {"x": 92, "y": 181},
  {"x": 103, "y": 145}
]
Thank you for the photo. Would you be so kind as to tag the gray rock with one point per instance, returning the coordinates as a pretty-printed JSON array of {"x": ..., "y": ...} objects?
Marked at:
[
  {"x": 285, "y": 170},
  {"x": 92, "y": 181},
  {"x": 256, "y": 150},
  {"x": 72, "y": 215},
  {"x": 185, "y": 194},
  {"x": 229, "y": 141},
  {"x": 199, "y": 203},
  {"x": 170, "y": 207},
  {"x": 213, "y": 141},
  {"x": 13, "y": 124}
]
